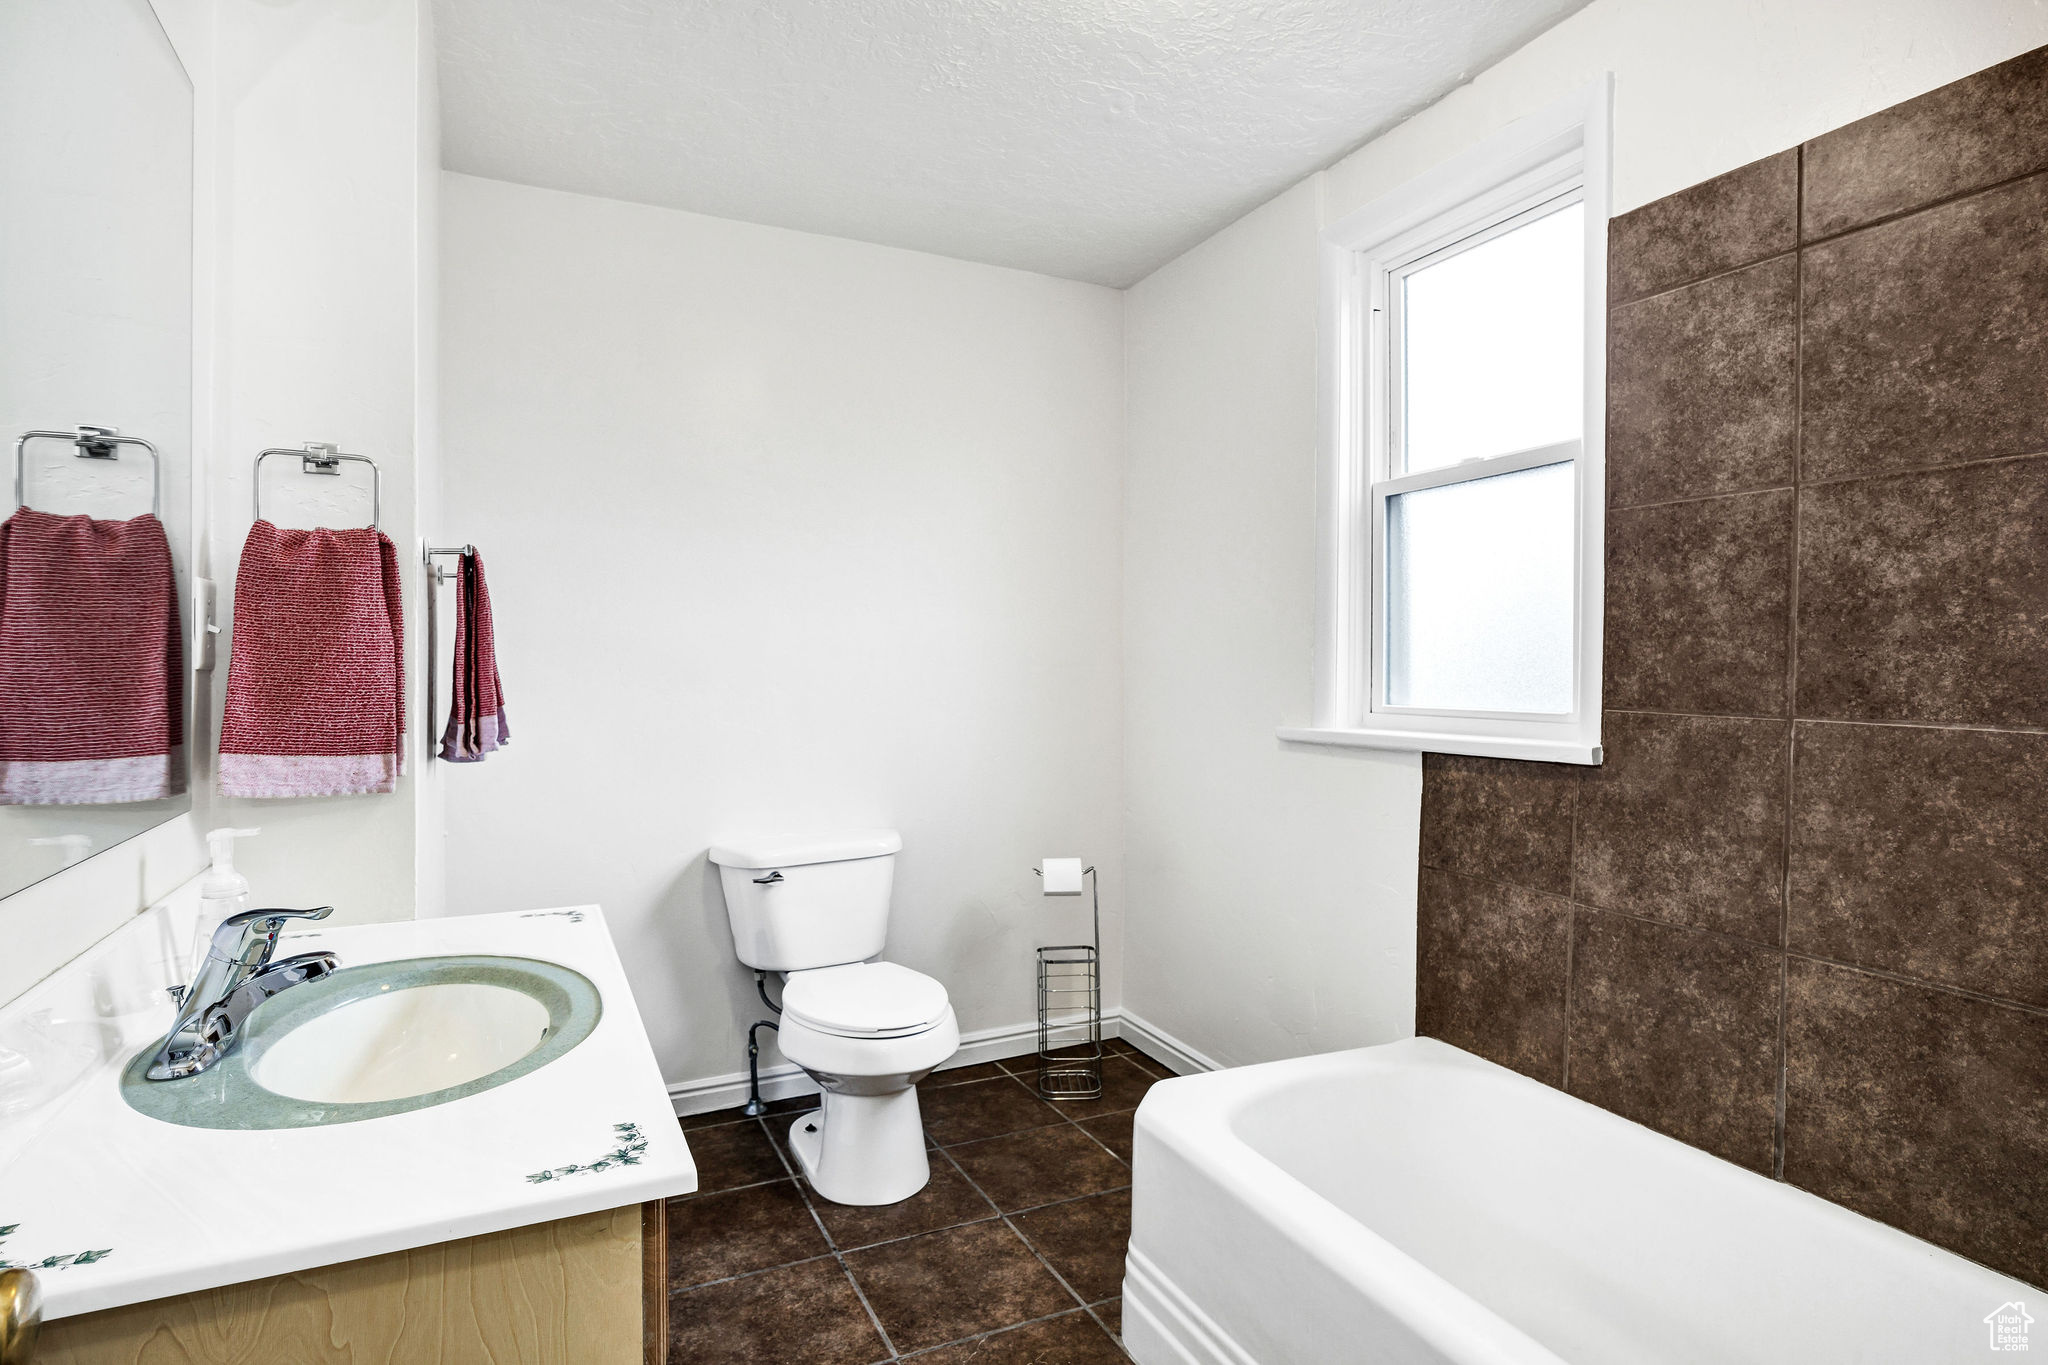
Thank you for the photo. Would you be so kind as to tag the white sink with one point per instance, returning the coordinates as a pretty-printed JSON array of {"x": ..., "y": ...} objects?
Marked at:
[
  {"x": 403, "y": 1042},
  {"x": 380, "y": 1039}
]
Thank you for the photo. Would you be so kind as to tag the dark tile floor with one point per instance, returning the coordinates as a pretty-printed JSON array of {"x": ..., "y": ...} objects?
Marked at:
[{"x": 1012, "y": 1255}]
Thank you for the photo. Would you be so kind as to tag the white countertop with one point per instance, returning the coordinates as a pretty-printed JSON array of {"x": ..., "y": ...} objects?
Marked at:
[{"x": 174, "y": 1209}]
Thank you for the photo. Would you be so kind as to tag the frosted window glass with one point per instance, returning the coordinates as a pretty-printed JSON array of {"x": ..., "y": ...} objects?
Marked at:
[
  {"x": 1493, "y": 345},
  {"x": 1479, "y": 594}
]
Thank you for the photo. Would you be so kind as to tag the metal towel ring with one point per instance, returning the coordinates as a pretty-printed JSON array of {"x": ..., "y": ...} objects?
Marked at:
[
  {"x": 318, "y": 457},
  {"x": 94, "y": 443}
]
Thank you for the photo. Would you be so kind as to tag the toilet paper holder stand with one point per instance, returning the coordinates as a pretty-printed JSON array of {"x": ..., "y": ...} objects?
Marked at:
[{"x": 1070, "y": 1012}]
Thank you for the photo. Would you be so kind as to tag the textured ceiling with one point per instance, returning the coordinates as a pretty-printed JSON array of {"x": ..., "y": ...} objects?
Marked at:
[{"x": 1092, "y": 139}]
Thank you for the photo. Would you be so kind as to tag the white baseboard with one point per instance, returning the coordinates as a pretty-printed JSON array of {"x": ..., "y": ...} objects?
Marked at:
[
  {"x": 1157, "y": 1043},
  {"x": 784, "y": 1080}
]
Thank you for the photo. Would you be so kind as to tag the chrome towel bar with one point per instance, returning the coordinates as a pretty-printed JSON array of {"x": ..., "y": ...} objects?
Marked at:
[{"x": 437, "y": 574}]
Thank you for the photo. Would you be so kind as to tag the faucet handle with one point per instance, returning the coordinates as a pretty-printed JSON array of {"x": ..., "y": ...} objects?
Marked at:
[
  {"x": 248, "y": 937},
  {"x": 280, "y": 914}
]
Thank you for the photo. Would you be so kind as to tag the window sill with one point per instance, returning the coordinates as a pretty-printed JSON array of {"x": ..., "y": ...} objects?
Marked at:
[{"x": 1429, "y": 742}]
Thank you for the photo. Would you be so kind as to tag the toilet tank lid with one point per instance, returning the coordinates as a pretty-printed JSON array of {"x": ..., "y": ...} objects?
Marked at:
[{"x": 795, "y": 850}]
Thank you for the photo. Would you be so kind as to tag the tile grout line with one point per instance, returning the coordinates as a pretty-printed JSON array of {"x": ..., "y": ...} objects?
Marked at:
[
  {"x": 838, "y": 1254},
  {"x": 1800, "y": 481},
  {"x": 1779, "y": 1098},
  {"x": 1070, "y": 1119},
  {"x": 1825, "y": 720},
  {"x": 1801, "y": 241},
  {"x": 831, "y": 1244},
  {"x": 998, "y": 1331},
  {"x": 1017, "y": 1232},
  {"x": 1571, "y": 937}
]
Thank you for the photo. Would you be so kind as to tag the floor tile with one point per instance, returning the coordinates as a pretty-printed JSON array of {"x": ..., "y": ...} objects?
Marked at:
[
  {"x": 1145, "y": 1059},
  {"x": 717, "y": 1236},
  {"x": 1070, "y": 1339},
  {"x": 1920, "y": 596},
  {"x": 947, "y": 1285},
  {"x": 947, "y": 1201},
  {"x": 1942, "y": 877},
  {"x": 1699, "y": 606},
  {"x": 731, "y": 1155},
  {"x": 1084, "y": 1240},
  {"x": 1112, "y": 1315},
  {"x": 1922, "y": 1108},
  {"x": 964, "y": 1113},
  {"x": 1500, "y": 819},
  {"x": 1684, "y": 821},
  {"x": 1023, "y": 1170},
  {"x": 690, "y": 1122},
  {"x": 1678, "y": 1030},
  {"x": 803, "y": 1314},
  {"x": 1113, "y": 1131},
  {"x": 1490, "y": 968},
  {"x": 1702, "y": 387},
  {"x": 1925, "y": 340},
  {"x": 961, "y": 1075},
  {"x": 1745, "y": 215}
]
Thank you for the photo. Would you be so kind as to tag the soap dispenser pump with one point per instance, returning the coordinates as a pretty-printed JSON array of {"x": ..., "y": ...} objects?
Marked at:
[{"x": 222, "y": 891}]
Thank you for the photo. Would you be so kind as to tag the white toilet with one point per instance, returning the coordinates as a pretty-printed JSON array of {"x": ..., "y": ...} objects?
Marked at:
[{"x": 815, "y": 909}]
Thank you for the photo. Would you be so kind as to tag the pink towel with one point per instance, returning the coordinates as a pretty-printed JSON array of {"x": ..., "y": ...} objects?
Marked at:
[
  {"x": 316, "y": 680},
  {"x": 476, "y": 711},
  {"x": 90, "y": 666}
]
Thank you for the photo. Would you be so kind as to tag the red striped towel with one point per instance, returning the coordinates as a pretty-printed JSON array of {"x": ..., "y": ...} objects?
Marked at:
[
  {"x": 316, "y": 679},
  {"x": 90, "y": 665},
  {"x": 476, "y": 712}
]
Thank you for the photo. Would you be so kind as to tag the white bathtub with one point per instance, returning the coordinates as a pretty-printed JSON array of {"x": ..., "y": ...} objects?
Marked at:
[{"x": 1412, "y": 1203}]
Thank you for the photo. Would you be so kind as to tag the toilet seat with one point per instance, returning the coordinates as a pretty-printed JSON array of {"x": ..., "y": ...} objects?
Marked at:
[{"x": 864, "y": 1000}]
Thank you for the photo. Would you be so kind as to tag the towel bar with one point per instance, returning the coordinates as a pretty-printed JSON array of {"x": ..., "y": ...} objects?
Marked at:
[
  {"x": 436, "y": 576},
  {"x": 94, "y": 443},
  {"x": 319, "y": 457}
]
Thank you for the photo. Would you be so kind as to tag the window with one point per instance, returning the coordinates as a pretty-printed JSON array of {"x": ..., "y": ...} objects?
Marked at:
[{"x": 1461, "y": 480}]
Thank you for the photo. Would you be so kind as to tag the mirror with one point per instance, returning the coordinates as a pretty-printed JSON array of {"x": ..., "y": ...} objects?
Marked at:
[{"x": 95, "y": 330}]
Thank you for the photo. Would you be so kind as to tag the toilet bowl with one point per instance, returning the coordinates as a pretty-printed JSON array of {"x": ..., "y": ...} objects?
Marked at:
[
  {"x": 815, "y": 909},
  {"x": 866, "y": 1032}
]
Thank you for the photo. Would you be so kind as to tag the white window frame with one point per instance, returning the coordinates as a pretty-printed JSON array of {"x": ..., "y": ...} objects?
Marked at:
[{"x": 1536, "y": 165}]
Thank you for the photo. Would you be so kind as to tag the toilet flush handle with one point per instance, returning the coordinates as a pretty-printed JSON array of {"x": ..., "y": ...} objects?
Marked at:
[{"x": 769, "y": 880}]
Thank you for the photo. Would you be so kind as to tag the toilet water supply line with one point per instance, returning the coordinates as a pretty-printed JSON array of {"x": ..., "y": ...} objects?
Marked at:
[{"x": 753, "y": 1108}]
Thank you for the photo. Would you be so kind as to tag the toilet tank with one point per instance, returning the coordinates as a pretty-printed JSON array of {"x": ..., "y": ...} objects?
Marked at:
[{"x": 803, "y": 901}]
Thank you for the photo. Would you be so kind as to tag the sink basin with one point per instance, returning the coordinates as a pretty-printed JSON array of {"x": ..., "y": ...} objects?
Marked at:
[
  {"x": 402, "y": 1043},
  {"x": 383, "y": 1038}
]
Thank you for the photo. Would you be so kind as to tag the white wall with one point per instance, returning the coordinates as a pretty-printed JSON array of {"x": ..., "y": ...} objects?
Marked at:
[
  {"x": 315, "y": 163},
  {"x": 325, "y": 125},
  {"x": 1272, "y": 887},
  {"x": 1272, "y": 904},
  {"x": 788, "y": 532}
]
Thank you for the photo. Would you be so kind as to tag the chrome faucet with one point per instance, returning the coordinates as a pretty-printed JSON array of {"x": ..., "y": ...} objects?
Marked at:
[{"x": 236, "y": 976}]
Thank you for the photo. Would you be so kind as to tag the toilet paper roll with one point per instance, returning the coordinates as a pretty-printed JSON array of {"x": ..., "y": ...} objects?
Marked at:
[{"x": 1062, "y": 876}]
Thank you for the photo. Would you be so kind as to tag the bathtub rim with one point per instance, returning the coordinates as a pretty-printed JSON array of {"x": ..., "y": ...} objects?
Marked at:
[{"x": 1196, "y": 1122}]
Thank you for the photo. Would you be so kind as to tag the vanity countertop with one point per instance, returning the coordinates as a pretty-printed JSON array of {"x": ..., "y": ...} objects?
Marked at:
[{"x": 112, "y": 1207}]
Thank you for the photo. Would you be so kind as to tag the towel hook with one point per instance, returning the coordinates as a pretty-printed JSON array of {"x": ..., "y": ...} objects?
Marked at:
[
  {"x": 321, "y": 457},
  {"x": 93, "y": 443}
]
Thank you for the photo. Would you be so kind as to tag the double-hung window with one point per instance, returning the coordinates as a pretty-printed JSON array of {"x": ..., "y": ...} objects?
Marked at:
[{"x": 1461, "y": 478}]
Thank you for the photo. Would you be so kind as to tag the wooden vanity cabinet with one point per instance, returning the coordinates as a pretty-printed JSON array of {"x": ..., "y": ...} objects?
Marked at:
[{"x": 580, "y": 1291}]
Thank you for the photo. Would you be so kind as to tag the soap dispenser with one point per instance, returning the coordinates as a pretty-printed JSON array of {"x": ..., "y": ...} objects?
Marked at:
[{"x": 222, "y": 891}]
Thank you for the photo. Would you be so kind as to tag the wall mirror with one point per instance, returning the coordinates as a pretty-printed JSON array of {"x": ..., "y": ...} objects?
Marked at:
[{"x": 95, "y": 331}]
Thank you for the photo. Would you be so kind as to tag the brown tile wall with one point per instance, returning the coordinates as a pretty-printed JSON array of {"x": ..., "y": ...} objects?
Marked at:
[{"x": 1799, "y": 916}]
